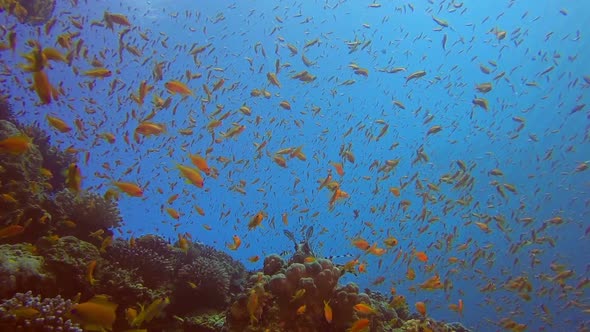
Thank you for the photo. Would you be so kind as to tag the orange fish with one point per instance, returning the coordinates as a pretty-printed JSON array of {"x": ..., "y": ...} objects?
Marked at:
[
  {"x": 183, "y": 243},
  {"x": 42, "y": 86},
  {"x": 421, "y": 256},
  {"x": 327, "y": 311},
  {"x": 90, "y": 272},
  {"x": 359, "y": 325},
  {"x": 129, "y": 188},
  {"x": 421, "y": 308},
  {"x": 10, "y": 231},
  {"x": 390, "y": 242},
  {"x": 376, "y": 251},
  {"x": 147, "y": 128},
  {"x": 175, "y": 87},
  {"x": 339, "y": 168},
  {"x": 199, "y": 210},
  {"x": 74, "y": 178},
  {"x": 173, "y": 213},
  {"x": 254, "y": 259},
  {"x": 395, "y": 191},
  {"x": 362, "y": 244},
  {"x": 98, "y": 73},
  {"x": 364, "y": 308},
  {"x": 301, "y": 310},
  {"x": 201, "y": 163},
  {"x": 98, "y": 313},
  {"x": 256, "y": 220},
  {"x": 362, "y": 268},
  {"x": 15, "y": 144},
  {"x": 236, "y": 244},
  {"x": 432, "y": 283},
  {"x": 192, "y": 175},
  {"x": 457, "y": 307},
  {"x": 120, "y": 19}
]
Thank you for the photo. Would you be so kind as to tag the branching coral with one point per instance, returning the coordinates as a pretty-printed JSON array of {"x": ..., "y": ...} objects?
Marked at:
[{"x": 25, "y": 312}]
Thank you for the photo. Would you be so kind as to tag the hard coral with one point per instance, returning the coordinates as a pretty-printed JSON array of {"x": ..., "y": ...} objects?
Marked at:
[
  {"x": 68, "y": 259},
  {"x": 126, "y": 286},
  {"x": 211, "y": 280},
  {"x": 273, "y": 264},
  {"x": 21, "y": 269},
  {"x": 90, "y": 212},
  {"x": 25, "y": 312},
  {"x": 152, "y": 258},
  {"x": 23, "y": 168},
  {"x": 236, "y": 270},
  {"x": 54, "y": 160}
]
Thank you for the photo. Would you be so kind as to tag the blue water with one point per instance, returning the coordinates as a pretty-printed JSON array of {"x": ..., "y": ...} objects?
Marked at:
[{"x": 401, "y": 34}]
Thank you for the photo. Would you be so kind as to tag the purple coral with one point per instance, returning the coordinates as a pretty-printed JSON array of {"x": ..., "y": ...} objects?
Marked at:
[{"x": 48, "y": 314}]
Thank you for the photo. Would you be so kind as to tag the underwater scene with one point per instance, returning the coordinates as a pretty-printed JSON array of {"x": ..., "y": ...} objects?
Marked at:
[{"x": 276, "y": 166}]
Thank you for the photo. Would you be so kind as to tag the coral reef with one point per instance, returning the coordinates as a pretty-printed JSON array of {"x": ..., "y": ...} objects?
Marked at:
[
  {"x": 54, "y": 160},
  {"x": 65, "y": 245},
  {"x": 21, "y": 270},
  {"x": 25, "y": 312}
]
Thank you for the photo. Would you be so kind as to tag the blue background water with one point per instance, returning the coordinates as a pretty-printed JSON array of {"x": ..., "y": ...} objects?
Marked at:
[{"x": 400, "y": 37}]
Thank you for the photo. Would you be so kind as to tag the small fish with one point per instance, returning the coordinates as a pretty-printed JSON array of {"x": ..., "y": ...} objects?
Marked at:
[
  {"x": 58, "y": 124},
  {"x": 301, "y": 309},
  {"x": 74, "y": 178},
  {"x": 10, "y": 231},
  {"x": 421, "y": 308},
  {"x": 129, "y": 188},
  {"x": 192, "y": 175},
  {"x": 15, "y": 144},
  {"x": 175, "y": 87},
  {"x": 236, "y": 244},
  {"x": 98, "y": 73},
  {"x": 328, "y": 311},
  {"x": 90, "y": 272},
  {"x": 415, "y": 75}
]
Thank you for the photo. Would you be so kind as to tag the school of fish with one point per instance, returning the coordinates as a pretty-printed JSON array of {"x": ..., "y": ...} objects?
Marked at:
[{"x": 443, "y": 146}]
